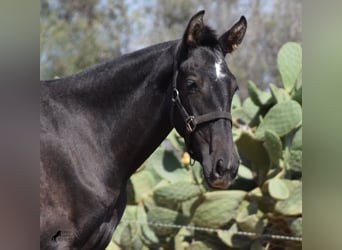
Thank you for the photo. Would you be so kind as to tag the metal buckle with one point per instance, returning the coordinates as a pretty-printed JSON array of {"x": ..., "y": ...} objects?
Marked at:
[
  {"x": 190, "y": 124},
  {"x": 175, "y": 95}
]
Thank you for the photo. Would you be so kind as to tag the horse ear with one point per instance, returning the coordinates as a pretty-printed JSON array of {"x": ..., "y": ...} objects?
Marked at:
[
  {"x": 194, "y": 30},
  {"x": 230, "y": 40}
]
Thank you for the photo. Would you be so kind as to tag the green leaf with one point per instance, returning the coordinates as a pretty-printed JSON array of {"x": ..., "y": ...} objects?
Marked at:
[
  {"x": 294, "y": 160},
  {"x": 273, "y": 146},
  {"x": 160, "y": 215},
  {"x": 202, "y": 245},
  {"x": 281, "y": 118},
  {"x": 236, "y": 132},
  {"x": 279, "y": 94},
  {"x": 231, "y": 239},
  {"x": 293, "y": 204},
  {"x": 176, "y": 192},
  {"x": 297, "y": 227},
  {"x": 278, "y": 189},
  {"x": 215, "y": 213},
  {"x": 112, "y": 246},
  {"x": 242, "y": 115},
  {"x": 297, "y": 95},
  {"x": 125, "y": 232},
  {"x": 250, "y": 108},
  {"x": 147, "y": 233},
  {"x": 179, "y": 240},
  {"x": 290, "y": 64},
  {"x": 197, "y": 173},
  {"x": 252, "y": 149},
  {"x": 225, "y": 194},
  {"x": 299, "y": 81},
  {"x": 245, "y": 173},
  {"x": 260, "y": 98},
  {"x": 176, "y": 140},
  {"x": 247, "y": 112},
  {"x": 297, "y": 140},
  {"x": 143, "y": 183},
  {"x": 167, "y": 166},
  {"x": 250, "y": 218},
  {"x": 236, "y": 102}
]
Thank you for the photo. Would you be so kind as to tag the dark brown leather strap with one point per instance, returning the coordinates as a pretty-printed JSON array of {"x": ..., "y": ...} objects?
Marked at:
[
  {"x": 191, "y": 121},
  {"x": 213, "y": 116}
]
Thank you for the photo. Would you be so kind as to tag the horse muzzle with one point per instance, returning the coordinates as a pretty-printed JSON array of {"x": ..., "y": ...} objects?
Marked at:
[{"x": 222, "y": 173}]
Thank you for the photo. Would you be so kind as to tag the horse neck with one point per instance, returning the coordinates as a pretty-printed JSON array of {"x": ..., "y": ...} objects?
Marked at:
[{"x": 130, "y": 97}]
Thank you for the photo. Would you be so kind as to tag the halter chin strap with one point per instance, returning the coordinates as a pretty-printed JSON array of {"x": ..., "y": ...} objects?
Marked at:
[{"x": 191, "y": 121}]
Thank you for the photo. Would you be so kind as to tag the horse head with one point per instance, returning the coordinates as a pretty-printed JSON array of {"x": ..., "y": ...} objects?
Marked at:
[{"x": 203, "y": 88}]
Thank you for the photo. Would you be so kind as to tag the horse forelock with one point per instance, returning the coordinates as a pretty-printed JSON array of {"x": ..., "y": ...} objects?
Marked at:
[{"x": 208, "y": 37}]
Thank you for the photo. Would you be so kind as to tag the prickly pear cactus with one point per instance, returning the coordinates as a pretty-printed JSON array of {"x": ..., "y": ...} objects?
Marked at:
[
  {"x": 258, "y": 97},
  {"x": 176, "y": 192},
  {"x": 273, "y": 146},
  {"x": 217, "y": 211},
  {"x": 161, "y": 215},
  {"x": 281, "y": 118},
  {"x": 290, "y": 64}
]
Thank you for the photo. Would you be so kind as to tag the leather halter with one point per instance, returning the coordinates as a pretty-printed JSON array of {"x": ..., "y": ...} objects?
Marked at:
[{"x": 191, "y": 121}]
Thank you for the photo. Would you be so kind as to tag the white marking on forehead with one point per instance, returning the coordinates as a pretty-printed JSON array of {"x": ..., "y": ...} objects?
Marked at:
[{"x": 218, "y": 68}]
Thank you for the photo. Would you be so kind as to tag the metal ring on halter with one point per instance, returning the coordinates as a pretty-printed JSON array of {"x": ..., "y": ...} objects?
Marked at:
[
  {"x": 190, "y": 123},
  {"x": 175, "y": 95}
]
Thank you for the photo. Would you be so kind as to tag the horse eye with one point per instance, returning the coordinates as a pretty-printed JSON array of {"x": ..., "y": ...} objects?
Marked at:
[{"x": 191, "y": 84}]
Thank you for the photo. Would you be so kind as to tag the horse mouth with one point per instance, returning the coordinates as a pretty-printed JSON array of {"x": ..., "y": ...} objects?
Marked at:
[
  {"x": 219, "y": 184},
  {"x": 222, "y": 182},
  {"x": 218, "y": 180}
]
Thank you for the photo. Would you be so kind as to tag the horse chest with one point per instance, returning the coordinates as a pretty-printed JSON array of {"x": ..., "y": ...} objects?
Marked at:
[
  {"x": 101, "y": 236},
  {"x": 102, "y": 227}
]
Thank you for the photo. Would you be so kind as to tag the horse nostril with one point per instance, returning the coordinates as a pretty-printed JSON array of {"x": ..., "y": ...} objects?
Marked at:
[{"x": 220, "y": 167}]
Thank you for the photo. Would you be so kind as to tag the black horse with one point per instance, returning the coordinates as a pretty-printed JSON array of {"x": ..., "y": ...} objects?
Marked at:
[{"x": 98, "y": 127}]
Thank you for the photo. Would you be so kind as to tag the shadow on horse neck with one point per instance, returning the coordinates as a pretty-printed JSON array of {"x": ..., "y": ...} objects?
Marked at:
[{"x": 129, "y": 96}]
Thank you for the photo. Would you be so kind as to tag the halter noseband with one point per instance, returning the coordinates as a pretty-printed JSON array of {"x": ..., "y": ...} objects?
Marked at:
[{"x": 191, "y": 121}]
